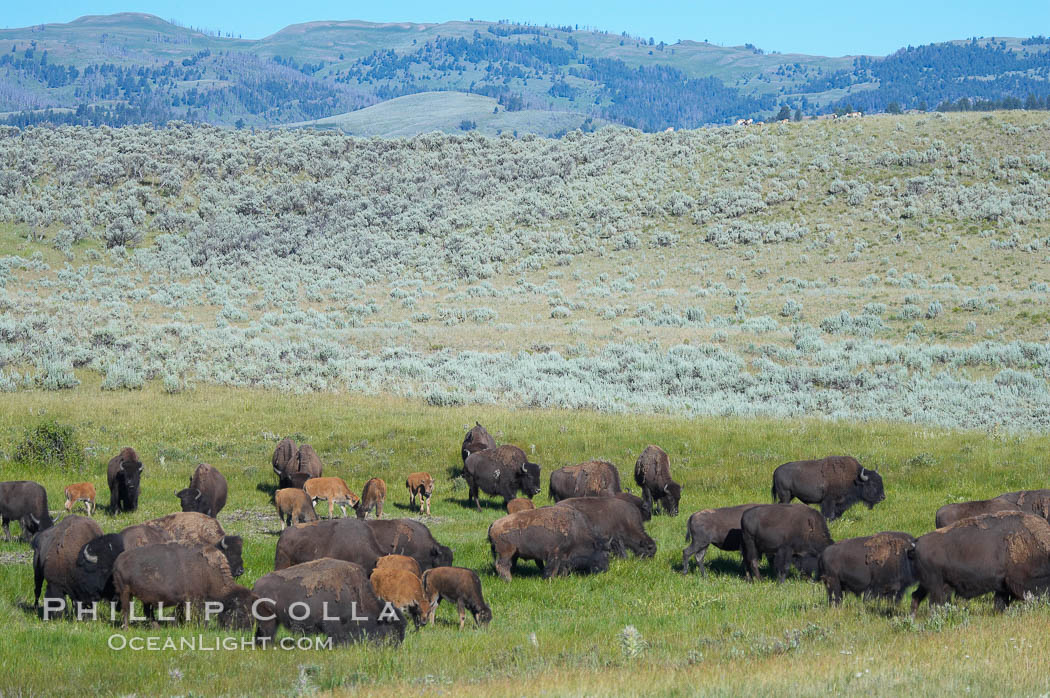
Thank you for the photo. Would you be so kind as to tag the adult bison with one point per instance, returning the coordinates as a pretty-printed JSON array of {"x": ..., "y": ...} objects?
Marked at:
[
  {"x": 343, "y": 539},
  {"x": 878, "y": 566},
  {"x": 93, "y": 575},
  {"x": 957, "y": 511},
  {"x": 1035, "y": 502},
  {"x": 835, "y": 482},
  {"x": 786, "y": 534},
  {"x": 124, "y": 474},
  {"x": 1006, "y": 553},
  {"x": 591, "y": 479},
  {"x": 717, "y": 527},
  {"x": 616, "y": 521},
  {"x": 282, "y": 457},
  {"x": 24, "y": 501},
  {"x": 175, "y": 573},
  {"x": 560, "y": 540},
  {"x": 188, "y": 527},
  {"x": 329, "y": 597},
  {"x": 55, "y": 553},
  {"x": 477, "y": 439},
  {"x": 206, "y": 493},
  {"x": 411, "y": 538},
  {"x": 652, "y": 472},
  {"x": 501, "y": 472}
]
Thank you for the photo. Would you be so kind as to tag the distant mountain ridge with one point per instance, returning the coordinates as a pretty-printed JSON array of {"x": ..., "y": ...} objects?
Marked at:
[{"x": 136, "y": 68}]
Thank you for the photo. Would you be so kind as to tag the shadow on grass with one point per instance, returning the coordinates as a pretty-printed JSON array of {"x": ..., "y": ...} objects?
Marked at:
[
  {"x": 486, "y": 503},
  {"x": 267, "y": 488}
]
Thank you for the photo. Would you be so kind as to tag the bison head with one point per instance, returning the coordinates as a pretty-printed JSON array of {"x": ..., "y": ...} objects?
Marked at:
[
  {"x": 93, "y": 575},
  {"x": 231, "y": 547},
  {"x": 31, "y": 524},
  {"x": 484, "y": 614},
  {"x": 670, "y": 496},
  {"x": 192, "y": 499},
  {"x": 131, "y": 470},
  {"x": 529, "y": 479},
  {"x": 870, "y": 484},
  {"x": 236, "y": 610},
  {"x": 440, "y": 556}
]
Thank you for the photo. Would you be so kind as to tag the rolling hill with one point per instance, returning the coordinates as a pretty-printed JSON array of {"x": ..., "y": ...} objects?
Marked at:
[{"x": 137, "y": 68}]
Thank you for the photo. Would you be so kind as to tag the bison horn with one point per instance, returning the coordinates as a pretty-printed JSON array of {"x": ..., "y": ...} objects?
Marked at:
[
  {"x": 176, "y": 492},
  {"x": 523, "y": 467},
  {"x": 198, "y": 495},
  {"x": 863, "y": 477},
  {"x": 141, "y": 467},
  {"x": 36, "y": 521},
  {"x": 222, "y": 543},
  {"x": 666, "y": 488},
  {"x": 93, "y": 559}
]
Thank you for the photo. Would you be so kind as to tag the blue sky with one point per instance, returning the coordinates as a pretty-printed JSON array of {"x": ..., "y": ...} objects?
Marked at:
[{"x": 801, "y": 26}]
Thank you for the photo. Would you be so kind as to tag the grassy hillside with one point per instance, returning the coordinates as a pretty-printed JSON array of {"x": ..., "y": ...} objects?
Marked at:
[
  {"x": 412, "y": 115},
  {"x": 881, "y": 268},
  {"x": 696, "y": 635},
  {"x": 133, "y": 68}
]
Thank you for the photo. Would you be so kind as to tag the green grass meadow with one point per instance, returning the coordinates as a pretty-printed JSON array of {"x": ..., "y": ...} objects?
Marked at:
[{"x": 717, "y": 635}]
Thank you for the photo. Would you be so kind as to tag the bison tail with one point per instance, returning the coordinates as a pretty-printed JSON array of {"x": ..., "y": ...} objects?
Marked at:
[{"x": 773, "y": 492}]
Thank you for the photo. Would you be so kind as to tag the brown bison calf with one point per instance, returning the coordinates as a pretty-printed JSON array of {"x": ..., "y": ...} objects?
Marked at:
[
  {"x": 877, "y": 566},
  {"x": 402, "y": 589},
  {"x": 421, "y": 484},
  {"x": 400, "y": 562},
  {"x": 372, "y": 497},
  {"x": 718, "y": 527},
  {"x": 293, "y": 506},
  {"x": 519, "y": 504},
  {"x": 460, "y": 586},
  {"x": 332, "y": 489},
  {"x": 80, "y": 492}
]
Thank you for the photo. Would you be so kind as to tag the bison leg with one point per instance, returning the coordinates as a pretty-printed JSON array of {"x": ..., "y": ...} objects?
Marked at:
[
  {"x": 379, "y": 509},
  {"x": 834, "y": 587},
  {"x": 38, "y": 582},
  {"x": 503, "y": 568},
  {"x": 781, "y": 563},
  {"x": 699, "y": 550},
  {"x": 7, "y": 531},
  {"x": 828, "y": 509},
  {"x": 125, "y": 606},
  {"x": 751, "y": 559},
  {"x": 462, "y": 613},
  {"x": 1003, "y": 600},
  {"x": 331, "y": 508}
]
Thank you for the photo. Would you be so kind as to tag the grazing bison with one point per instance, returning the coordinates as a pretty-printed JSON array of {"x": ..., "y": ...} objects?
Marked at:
[
  {"x": 560, "y": 540},
  {"x": 957, "y": 511},
  {"x": 412, "y": 538},
  {"x": 401, "y": 562},
  {"x": 55, "y": 553},
  {"x": 404, "y": 590},
  {"x": 123, "y": 475},
  {"x": 307, "y": 461},
  {"x": 172, "y": 574},
  {"x": 786, "y": 534},
  {"x": 1006, "y": 553},
  {"x": 519, "y": 504},
  {"x": 293, "y": 506},
  {"x": 331, "y": 489},
  {"x": 835, "y": 482},
  {"x": 93, "y": 575},
  {"x": 206, "y": 493},
  {"x": 591, "y": 479},
  {"x": 80, "y": 492},
  {"x": 717, "y": 527},
  {"x": 652, "y": 472},
  {"x": 615, "y": 521},
  {"x": 24, "y": 501},
  {"x": 341, "y": 539},
  {"x": 877, "y": 566},
  {"x": 477, "y": 439},
  {"x": 460, "y": 586},
  {"x": 501, "y": 472},
  {"x": 282, "y": 457},
  {"x": 190, "y": 527},
  {"x": 373, "y": 494},
  {"x": 328, "y": 597},
  {"x": 1035, "y": 502},
  {"x": 421, "y": 484}
]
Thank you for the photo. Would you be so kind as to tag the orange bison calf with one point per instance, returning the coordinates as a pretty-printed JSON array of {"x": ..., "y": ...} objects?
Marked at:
[
  {"x": 402, "y": 589},
  {"x": 80, "y": 492},
  {"x": 372, "y": 497},
  {"x": 400, "y": 562},
  {"x": 421, "y": 484},
  {"x": 332, "y": 489},
  {"x": 293, "y": 506}
]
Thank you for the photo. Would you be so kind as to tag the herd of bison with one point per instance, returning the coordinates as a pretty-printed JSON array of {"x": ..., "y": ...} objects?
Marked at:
[{"x": 353, "y": 578}]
